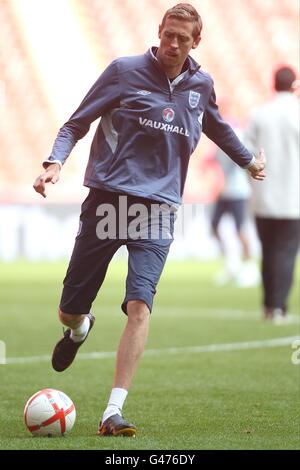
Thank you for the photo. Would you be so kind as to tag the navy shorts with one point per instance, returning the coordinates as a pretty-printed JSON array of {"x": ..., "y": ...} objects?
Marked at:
[
  {"x": 103, "y": 229},
  {"x": 236, "y": 207}
]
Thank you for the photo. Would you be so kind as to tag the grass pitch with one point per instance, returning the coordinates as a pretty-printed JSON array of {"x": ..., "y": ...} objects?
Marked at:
[{"x": 182, "y": 397}]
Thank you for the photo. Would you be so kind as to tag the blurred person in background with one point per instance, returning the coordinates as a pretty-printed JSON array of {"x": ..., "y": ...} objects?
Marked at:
[
  {"x": 275, "y": 126},
  {"x": 234, "y": 200},
  {"x": 153, "y": 108}
]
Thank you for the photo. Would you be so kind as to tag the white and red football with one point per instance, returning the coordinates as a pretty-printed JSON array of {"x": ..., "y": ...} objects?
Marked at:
[{"x": 49, "y": 412}]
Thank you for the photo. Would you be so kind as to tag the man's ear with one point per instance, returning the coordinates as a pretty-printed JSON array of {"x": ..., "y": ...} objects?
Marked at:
[{"x": 196, "y": 42}]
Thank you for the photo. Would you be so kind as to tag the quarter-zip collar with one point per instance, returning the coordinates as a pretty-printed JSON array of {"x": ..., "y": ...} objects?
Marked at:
[
  {"x": 178, "y": 79},
  {"x": 190, "y": 65}
]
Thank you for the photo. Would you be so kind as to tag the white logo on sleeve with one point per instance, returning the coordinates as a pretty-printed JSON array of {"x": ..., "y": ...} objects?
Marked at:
[{"x": 79, "y": 228}]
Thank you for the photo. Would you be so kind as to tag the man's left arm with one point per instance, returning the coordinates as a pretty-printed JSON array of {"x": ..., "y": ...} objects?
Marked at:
[{"x": 224, "y": 137}]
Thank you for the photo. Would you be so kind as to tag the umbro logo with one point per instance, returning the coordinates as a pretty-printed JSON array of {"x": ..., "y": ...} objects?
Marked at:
[{"x": 143, "y": 92}]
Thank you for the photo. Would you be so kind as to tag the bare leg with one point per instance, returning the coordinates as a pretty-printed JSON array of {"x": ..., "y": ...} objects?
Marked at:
[{"x": 132, "y": 343}]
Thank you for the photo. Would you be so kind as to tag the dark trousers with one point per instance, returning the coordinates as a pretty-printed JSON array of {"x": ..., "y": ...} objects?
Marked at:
[{"x": 280, "y": 239}]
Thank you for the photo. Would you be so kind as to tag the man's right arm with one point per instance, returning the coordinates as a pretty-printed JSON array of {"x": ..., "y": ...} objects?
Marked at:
[{"x": 102, "y": 96}]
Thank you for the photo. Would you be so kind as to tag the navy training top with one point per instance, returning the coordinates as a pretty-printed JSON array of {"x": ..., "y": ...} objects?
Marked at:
[{"x": 148, "y": 130}]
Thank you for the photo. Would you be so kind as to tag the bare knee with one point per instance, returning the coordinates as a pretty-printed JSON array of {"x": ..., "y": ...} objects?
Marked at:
[
  {"x": 68, "y": 319},
  {"x": 138, "y": 312}
]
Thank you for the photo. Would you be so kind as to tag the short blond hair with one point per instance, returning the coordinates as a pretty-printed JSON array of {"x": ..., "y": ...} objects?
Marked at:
[{"x": 186, "y": 12}]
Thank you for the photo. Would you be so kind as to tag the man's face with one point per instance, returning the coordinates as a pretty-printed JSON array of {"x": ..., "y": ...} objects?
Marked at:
[{"x": 176, "y": 41}]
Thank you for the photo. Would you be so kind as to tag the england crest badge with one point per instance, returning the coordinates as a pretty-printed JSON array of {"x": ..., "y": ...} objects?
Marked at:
[{"x": 194, "y": 99}]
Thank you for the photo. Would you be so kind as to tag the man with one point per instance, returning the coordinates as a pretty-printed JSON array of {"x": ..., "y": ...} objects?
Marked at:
[
  {"x": 233, "y": 200},
  {"x": 275, "y": 126},
  {"x": 152, "y": 109}
]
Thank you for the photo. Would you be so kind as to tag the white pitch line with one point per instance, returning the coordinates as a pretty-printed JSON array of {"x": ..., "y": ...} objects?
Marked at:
[
  {"x": 236, "y": 314},
  {"x": 266, "y": 343}
]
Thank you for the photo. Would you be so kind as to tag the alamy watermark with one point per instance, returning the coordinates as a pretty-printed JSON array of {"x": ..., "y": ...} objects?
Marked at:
[
  {"x": 144, "y": 220},
  {"x": 295, "y": 359},
  {"x": 2, "y": 352}
]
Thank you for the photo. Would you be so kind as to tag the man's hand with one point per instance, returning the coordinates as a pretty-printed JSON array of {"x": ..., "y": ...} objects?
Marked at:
[
  {"x": 256, "y": 170},
  {"x": 51, "y": 175}
]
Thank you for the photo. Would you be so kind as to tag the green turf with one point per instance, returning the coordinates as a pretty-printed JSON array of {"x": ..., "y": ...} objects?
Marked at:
[{"x": 243, "y": 399}]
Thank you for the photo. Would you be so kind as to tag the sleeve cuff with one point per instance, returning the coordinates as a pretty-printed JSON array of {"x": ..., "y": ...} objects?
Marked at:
[
  {"x": 250, "y": 163},
  {"x": 48, "y": 162}
]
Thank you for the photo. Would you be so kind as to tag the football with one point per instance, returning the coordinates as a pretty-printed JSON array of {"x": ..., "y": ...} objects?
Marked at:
[{"x": 49, "y": 413}]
